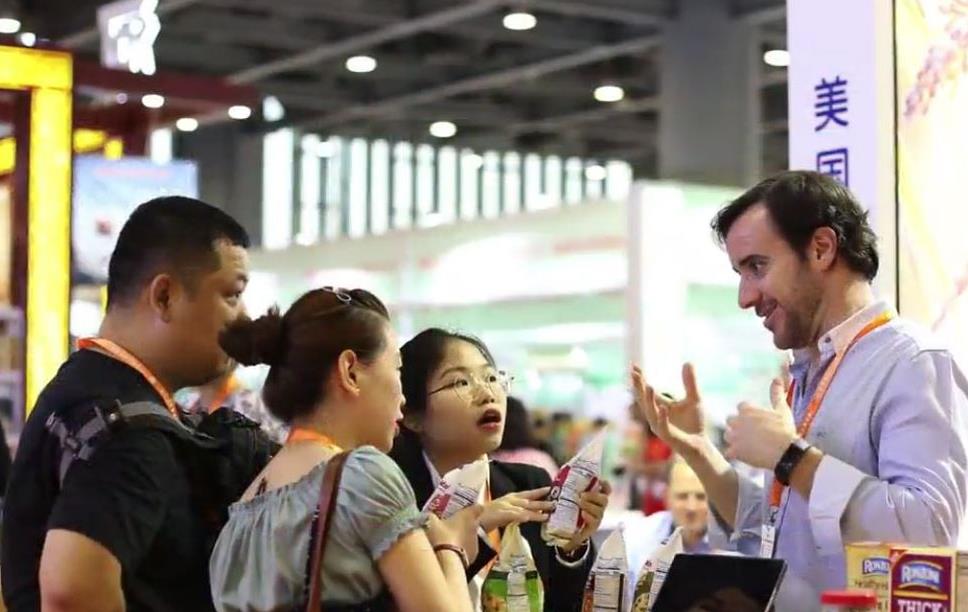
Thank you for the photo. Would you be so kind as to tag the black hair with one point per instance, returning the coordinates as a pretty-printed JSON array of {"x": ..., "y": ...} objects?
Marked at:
[
  {"x": 800, "y": 202},
  {"x": 170, "y": 234},
  {"x": 421, "y": 356},
  {"x": 517, "y": 427},
  {"x": 303, "y": 345}
]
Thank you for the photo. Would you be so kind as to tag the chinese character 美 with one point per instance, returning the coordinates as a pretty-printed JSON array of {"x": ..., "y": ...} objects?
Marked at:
[
  {"x": 833, "y": 163},
  {"x": 831, "y": 102}
]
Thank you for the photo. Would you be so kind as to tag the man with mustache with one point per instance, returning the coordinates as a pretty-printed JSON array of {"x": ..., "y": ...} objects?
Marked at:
[{"x": 869, "y": 440}]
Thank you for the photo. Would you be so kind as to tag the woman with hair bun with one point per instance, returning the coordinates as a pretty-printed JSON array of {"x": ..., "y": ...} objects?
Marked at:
[{"x": 335, "y": 380}]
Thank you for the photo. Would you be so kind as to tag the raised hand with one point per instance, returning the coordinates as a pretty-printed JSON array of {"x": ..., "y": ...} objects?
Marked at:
[
  {"x": 678, "y": 423},
  {"x": 758, "y": 436}
]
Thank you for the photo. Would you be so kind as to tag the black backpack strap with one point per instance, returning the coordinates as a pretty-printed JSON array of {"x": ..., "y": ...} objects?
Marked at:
[{"x": 80, "y": 436}]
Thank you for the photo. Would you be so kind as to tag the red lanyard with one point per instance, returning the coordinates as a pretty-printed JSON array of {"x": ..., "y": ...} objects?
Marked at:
[
  {"x": 303, "y": 434},
  {"x": 776, "y": 494},
  {"x": 116, "y": 352}
]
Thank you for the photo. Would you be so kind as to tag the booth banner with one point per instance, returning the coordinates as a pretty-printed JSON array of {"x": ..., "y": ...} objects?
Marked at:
[
  {"x": 841, "y": 107},
  {"x": 932, "y": 141},
  {"x": 105, "y": 194}
]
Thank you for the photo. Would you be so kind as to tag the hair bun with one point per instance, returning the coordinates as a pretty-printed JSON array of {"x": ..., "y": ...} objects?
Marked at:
[{"x": 256, "y": 341}]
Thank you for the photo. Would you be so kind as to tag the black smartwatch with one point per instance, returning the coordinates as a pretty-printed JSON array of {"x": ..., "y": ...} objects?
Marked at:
[{"x": 793, "y": 455}]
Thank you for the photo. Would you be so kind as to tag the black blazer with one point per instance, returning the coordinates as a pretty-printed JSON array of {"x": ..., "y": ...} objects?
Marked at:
[{"x": 563, "y": 586}]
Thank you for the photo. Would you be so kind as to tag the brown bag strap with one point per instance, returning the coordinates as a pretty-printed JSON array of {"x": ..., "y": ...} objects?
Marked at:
[{"x": 324, "y": 515}]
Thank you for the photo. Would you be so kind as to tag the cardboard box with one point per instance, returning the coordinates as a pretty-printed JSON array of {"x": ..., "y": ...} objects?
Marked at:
[
  {"x": 869, "y": 567},
  {"x": 929, "y": 580}
]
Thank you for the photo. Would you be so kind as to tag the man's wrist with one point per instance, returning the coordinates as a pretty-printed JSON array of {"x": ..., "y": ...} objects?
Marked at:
[
  {"x": 789, "y": 458},
  {"x": 699, "y": 452},
  {"x": 706, "y": 459},
  {"x": 802, "y": 477},
  {"x": 783, "y": 446}
]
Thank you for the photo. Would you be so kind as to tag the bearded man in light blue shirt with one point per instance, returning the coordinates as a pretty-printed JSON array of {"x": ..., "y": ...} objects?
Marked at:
[{"x": 867, "y": 439}]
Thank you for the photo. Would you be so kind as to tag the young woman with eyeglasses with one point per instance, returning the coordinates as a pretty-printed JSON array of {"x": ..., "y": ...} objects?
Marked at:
[
  {"x": 335, "y": 380},
  {"x": 456, "y": 403}
]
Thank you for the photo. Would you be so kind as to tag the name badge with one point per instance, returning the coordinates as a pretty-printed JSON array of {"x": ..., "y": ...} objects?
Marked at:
[
  {"x": 768, "y": 533},
  {"x": 767, "y": 540}
]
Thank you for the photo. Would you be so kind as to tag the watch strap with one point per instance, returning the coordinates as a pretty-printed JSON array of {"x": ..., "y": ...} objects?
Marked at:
[{"x": 789, "y": 461}]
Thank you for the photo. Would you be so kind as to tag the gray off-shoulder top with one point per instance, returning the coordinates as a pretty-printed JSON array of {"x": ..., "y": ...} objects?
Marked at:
[{"x": 259, "y": 562}]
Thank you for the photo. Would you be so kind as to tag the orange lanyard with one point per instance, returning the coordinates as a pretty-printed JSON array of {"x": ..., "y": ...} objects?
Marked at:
[
  {"x": 776, "y": 494},
  {"x": 116, "y": 352},
  {"x": 231, "y": 386},
  {"x": 493, "y": 536},
  {"x": 303, "y": 434}
]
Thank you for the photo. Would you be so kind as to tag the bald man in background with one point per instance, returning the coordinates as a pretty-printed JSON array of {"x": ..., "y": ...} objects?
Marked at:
[{"x": 686, "y": 507}]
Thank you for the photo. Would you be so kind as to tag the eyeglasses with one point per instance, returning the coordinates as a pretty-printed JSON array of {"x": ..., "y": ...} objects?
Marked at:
[
  {"x": 466, "y": 383},
  {"x": 340, "y": 294}
]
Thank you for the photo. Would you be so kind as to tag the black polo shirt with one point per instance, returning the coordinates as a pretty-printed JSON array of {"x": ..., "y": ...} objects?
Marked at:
[{"x": 133, "y": 497}]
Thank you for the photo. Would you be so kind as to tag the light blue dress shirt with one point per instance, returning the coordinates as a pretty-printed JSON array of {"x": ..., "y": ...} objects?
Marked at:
[
  {"x": 644, "y": 536},
  {"x": 893, "y": 429}
]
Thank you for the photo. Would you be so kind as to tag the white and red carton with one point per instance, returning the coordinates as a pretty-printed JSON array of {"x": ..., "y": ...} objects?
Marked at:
[
  {"x": 929, "y": 580},
  {"x": 606, "y": 589},
  {"x": 458, "y": 489},
  {"x": 582, "y": 473}
]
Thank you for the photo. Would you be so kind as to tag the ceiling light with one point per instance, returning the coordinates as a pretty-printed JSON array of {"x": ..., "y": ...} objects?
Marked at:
[
  {"x": 28, "y": 39},
  {"x": 187, "y": 124},
  {"x": 121, "y": 98},
  {"x": 442, "y": 129},
  {"x": 474, "y": 160},
  {"x": 240, "y": 112},
  {"x": 272, "y": 109},
  {"x": 9, "y": 25},
  {"x": 153, "y": 101},
  {"x": 325, "y": 149},
  {"x": 595, "y": 173},
  {"x": 609, "y": 93},
  {"x": 361, "y": 64},
  {"x": 520, "y": 21},
  {"x": 777, "y": 57}
]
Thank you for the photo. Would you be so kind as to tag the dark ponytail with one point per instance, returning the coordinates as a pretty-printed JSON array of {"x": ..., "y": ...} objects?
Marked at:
[{"x": 256, "y": 341}]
